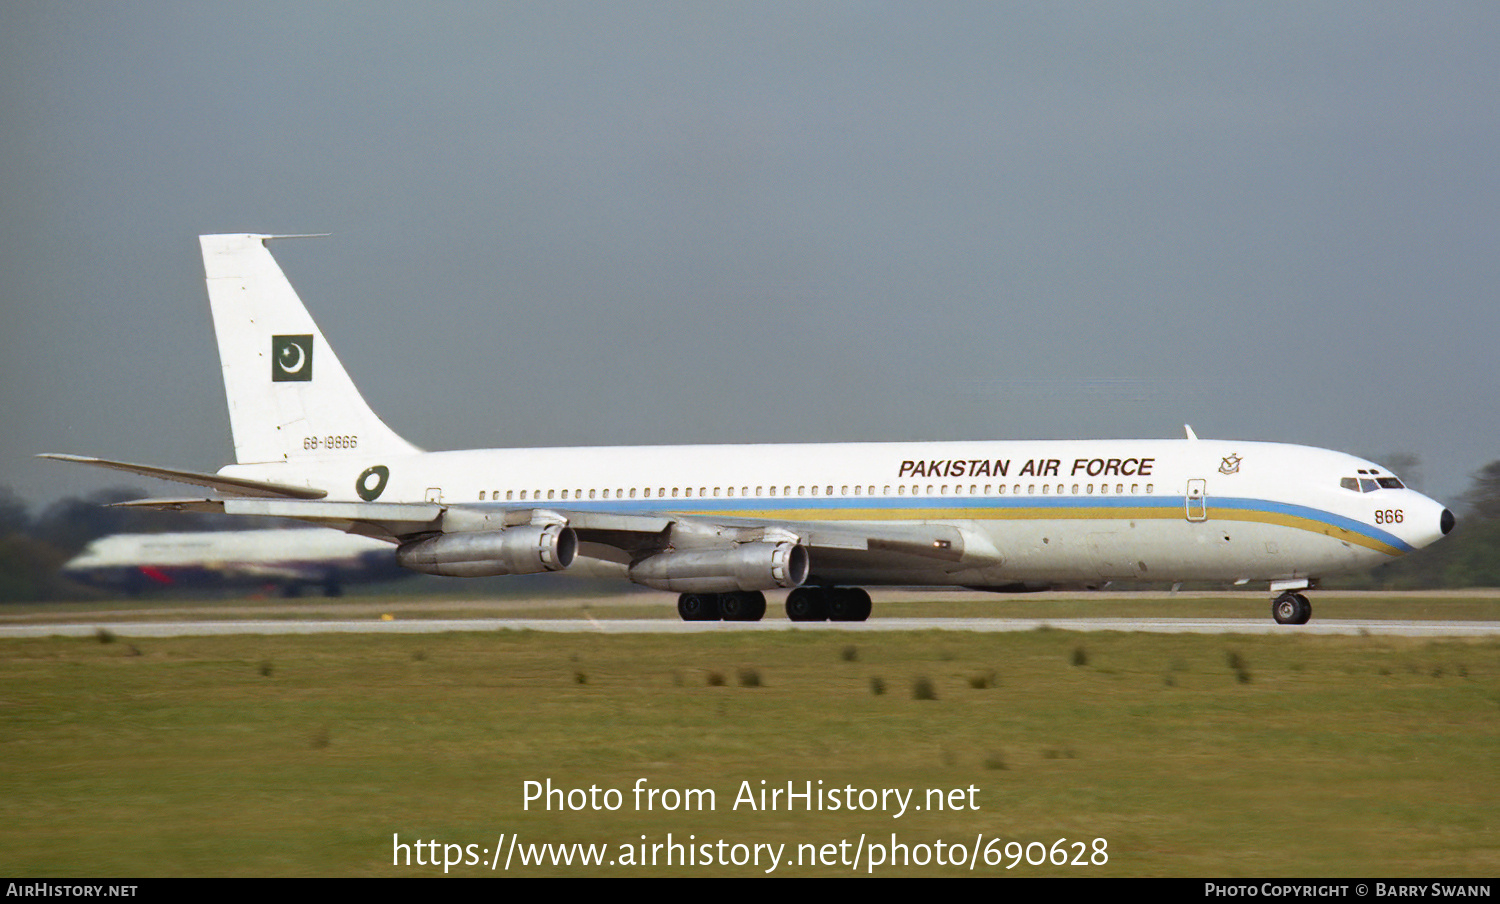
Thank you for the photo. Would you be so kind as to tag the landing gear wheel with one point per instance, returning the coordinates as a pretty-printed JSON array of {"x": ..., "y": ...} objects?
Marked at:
[
  {"x": 1304, "y": 610},
  {"x": 806, "y": 604},
  {"x": 1291, "y": 609},
  {"x": 848, "y": 604},
  {"x": 698, "y": 606},
  {"x": 742, "y": 606}
]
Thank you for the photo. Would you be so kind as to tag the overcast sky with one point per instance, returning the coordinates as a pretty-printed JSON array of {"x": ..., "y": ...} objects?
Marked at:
[{"x": 595, "y": 224}]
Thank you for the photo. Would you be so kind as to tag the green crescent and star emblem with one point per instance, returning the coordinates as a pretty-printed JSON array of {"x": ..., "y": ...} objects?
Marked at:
[{"x": 291, "y": 359}]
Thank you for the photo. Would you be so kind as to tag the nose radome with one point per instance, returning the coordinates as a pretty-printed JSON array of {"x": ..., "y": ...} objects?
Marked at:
[{"x": 1445, "y": 523}]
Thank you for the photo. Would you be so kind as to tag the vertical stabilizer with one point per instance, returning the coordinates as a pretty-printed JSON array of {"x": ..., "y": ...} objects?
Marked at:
[{"x": 289, "y": 397}]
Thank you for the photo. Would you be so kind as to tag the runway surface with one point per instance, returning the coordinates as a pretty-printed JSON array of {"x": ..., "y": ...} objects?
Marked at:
[{"x": 663, "y": 626}]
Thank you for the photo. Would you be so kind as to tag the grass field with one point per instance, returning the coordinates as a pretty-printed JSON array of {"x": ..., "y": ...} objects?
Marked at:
[{"x": 1282, "y": 755}]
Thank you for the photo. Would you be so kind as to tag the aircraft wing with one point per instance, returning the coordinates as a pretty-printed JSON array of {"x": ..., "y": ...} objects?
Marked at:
[{"x": 625, "y": 539}]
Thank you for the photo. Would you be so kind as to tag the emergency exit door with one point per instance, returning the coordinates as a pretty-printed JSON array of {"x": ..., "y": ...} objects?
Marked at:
[{"x": 1197, "y": 500}]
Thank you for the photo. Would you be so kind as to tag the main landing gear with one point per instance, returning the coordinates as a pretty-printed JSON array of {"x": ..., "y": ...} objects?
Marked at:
[
  {"x": 739, "y": 606},
  {"x": 1291, "y": 609},
  {"x": 802, "y": 604},
  {"x": 828, "y": 604}
]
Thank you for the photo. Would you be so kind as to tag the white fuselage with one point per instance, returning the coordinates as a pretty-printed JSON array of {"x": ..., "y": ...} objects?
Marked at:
[{"x": 1045, "y": 511}]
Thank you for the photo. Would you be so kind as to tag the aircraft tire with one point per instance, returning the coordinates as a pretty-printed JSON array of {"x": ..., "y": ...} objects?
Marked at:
[
  {"x": 742, "y": 606},
  {"x": 807, "y": 604},
  {"x": 849, "y": 604},
  {"x": 1304, "y": 610},
  {"x": 698, "y": 607},
  {"x": 1285, "y": 609}
]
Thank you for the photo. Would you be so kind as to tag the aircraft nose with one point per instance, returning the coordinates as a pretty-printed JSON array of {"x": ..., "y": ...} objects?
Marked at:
[{"x": 1428, "y": 522}]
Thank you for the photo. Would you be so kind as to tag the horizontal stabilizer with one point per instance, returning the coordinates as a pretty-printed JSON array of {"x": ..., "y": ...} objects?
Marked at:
[{"x": 229, "y": 486}]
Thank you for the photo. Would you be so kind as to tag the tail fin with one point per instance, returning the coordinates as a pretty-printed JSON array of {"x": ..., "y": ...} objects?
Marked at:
[{"x": 289, "y": 397}]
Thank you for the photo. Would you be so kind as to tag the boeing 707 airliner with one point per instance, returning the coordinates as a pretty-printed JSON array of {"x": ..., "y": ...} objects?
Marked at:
[
  {"x": 290, "y": 559},
  {"x": 719, "y": 525}
]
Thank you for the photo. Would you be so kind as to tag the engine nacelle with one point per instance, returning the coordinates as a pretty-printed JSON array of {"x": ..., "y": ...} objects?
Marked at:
[
  {"x": 526, "y": 549},
  {"x": 748, "y": 566}
]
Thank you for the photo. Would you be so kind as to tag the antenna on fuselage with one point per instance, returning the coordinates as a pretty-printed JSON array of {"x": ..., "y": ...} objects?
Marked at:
[{"x": 1188, "y": 429}]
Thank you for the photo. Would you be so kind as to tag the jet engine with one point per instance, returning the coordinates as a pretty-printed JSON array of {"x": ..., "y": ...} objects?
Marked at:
[
  {"x": 748, "y": 566},
  {"x": 526, "y": 549}
]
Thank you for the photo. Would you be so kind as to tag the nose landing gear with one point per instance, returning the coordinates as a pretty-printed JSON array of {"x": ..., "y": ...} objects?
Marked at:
[{"x": 1291, "y": 609}]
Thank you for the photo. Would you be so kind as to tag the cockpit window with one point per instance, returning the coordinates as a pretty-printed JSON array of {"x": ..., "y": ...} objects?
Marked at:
[{"x": 1370, "y": 484}]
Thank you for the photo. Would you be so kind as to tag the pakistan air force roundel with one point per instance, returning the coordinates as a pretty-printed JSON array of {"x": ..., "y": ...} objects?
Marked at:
[{"x": 291, "y": 359}]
